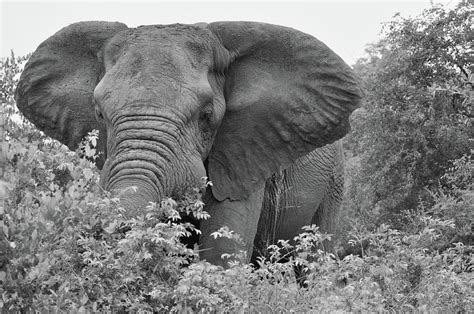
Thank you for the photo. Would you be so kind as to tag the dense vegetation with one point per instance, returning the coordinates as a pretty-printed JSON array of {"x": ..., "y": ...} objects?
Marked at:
[
  {"x": 407, "y": 216},
  {"x": 417, "y": 115}
]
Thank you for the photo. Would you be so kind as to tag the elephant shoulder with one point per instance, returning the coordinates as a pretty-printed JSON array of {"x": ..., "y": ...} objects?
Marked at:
[{"x": 328, "y": 156}]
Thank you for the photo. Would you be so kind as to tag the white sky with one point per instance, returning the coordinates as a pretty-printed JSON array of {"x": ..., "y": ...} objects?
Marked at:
[{"x": 345, "y": 26}]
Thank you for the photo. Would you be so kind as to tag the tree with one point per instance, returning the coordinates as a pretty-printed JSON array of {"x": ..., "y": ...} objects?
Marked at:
[{"x": 417, "y": 114}]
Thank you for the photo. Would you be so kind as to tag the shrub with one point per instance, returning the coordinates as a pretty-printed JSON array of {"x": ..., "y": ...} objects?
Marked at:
[{"x": 72, "y": 248}]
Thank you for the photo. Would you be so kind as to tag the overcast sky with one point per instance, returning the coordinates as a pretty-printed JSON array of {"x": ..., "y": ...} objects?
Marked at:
[{"x": 345, "y": 26}]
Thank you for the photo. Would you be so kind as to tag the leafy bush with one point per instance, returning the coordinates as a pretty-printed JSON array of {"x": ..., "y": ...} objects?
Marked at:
[{"x": 72, "y": 248}]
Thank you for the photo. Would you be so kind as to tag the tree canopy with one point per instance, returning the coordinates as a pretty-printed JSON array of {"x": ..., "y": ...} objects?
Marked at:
[{"x": 417, "y": 114}]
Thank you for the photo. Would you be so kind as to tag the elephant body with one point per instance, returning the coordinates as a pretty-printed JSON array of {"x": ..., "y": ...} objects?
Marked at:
[
  {"x": 308, "y": 192},
  {"x": 257, "y": 108}
]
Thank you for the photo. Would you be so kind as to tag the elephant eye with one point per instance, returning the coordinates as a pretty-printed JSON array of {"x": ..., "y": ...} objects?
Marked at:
[
  {"x": 206, "y": 113},
  {"x": 98, "y": 115}
]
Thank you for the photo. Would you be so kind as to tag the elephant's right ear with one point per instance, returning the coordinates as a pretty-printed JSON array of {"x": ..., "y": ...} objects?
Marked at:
[
  {"x": 286, "y": 94},
  {"x": 55, "y": 90}
]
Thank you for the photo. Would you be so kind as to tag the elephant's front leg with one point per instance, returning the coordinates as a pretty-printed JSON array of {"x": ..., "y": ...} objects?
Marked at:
[{"x": 239, "y": 216}]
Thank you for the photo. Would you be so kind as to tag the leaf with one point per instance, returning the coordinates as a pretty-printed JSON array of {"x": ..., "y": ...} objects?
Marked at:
[
  {"x": 88, "y": 173},
  {"x": 66, "y": 165},
  {"x": 89, "y": 152},
  {"x": 84, "y": 300}
]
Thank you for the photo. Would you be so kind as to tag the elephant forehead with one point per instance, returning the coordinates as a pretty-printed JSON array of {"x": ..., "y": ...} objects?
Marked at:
[
  {"x": 181, "y": 45},
  {"x": 157, "y": 64}
]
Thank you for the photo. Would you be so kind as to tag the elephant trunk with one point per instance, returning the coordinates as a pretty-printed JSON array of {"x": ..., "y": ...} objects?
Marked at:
[
  {"x": 136, "y": 182},
  {"x": 149, "y": 161}
]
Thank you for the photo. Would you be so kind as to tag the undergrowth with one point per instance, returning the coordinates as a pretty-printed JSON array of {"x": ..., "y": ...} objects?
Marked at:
[{"x": 71, "y": 247}]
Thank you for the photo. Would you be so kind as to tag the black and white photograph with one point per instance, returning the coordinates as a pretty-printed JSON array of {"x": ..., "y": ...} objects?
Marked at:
[{"x": 236, "y": 156}]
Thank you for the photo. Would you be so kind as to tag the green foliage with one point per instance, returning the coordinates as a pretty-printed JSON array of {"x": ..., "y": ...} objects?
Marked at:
[{"x": 70, "y": 247}]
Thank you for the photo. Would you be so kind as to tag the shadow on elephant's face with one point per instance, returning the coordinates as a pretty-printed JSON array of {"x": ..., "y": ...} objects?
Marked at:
[{"x": 245, "y": 98}]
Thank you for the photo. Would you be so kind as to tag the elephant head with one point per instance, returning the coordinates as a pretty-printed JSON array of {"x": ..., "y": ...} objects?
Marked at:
[{"x": 233, "y": 101}]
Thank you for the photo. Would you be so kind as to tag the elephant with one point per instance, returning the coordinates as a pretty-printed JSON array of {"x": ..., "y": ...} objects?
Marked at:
[{"x": 257, "y": 108}]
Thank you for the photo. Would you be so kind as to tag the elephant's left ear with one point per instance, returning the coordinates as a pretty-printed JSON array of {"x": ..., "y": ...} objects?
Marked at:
[{"x": 286, "y": 94}]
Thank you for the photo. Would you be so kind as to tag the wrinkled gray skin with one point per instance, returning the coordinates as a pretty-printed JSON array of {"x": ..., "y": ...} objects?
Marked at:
[{"x": 254, "y": 107}]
